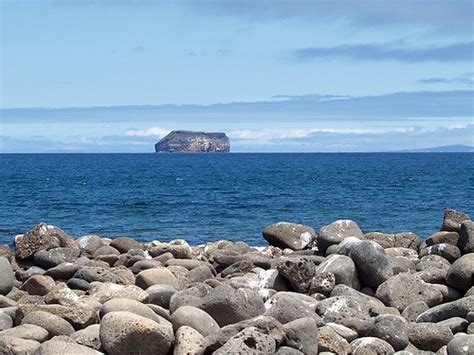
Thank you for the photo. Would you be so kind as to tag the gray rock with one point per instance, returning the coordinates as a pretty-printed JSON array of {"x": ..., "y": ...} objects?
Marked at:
[
  {"x": 343, "y": 269},
  {"x": 429, "y": 336},
  {"x": 461, "y": 345},
  {"x": 456, "y": 324},
  {"x": 330, "y": 341},
  {"x": 188, "y": 341},
  {"x": 52, "y": 323},
  {"x": 195, "y": 318},
  {"x": 373, "y": 265},
  {"x": 443, "y": 237},
  {"x": 343, "y": 331},
  {"x": 41, "y": 237},
  {"x": 131, "y": 306},
  {"x": 191, "y": 296},
  {"x": 433, "y": 275},
  {"x": 374, "y": 305},
  {"x": 28, "y": 332},
  {"x": 48, "y": 259},
  {"x": 461, "y": 273},
  {"x": 458, "y": 308},
  {"x": 453, "y": 219},
  {"x": 38, "y": 285},
  {"x": 335, "y": 233},
  {"x": 122, "y": 333},
  {"x": 466, "y": 237},
  {"x": 298, "y": 271},
  {"x": 144, "y": 265},
  {"x": 199, "y": 274},
  {"x": 6, "y": 321},
  {"x": 404, "y": 289},
  {"x": 286, "y": 350},
  {"x": 385, "y": 240},
  {"x": 449, "y": 293},
  {"x": 448, "y": 251},
  {"x": 323, "y": 283},
  {"x": 101, "y": 274},
  {"x": 105, "y": 250},
  {"x": 348, "y": 311},
  {"x": 289, "y": 235},
  {"x": 401, "y": 264},
  {"x": 248, "y": 341},
  {"x": 61, "y": 294},
  {"x": 286, "y": 307},
  {"x": 88, "y": 244},
  {"x": 433, "y": 261},
  {"x": 6, "y": 276},
  {"x": 407, "y": 240},
  {"x": 11, "y": 345},
  {"x": 102, "y": 292},
  {"x": 161, "y": 295},
  {"x": 179, "y": 251},
  {"x": 391, "y": 329},
  {"x": 240, "y": 267},
  {"x": 404, "y": 252},
  {"x": 61, "y": 347},
  {"x": 155, "y": 276},
  {"x": 63, "y": 271},
  {"x": 301, "y": 334},
  {"x": 124, "y": 244},
  {"x": 413, "y": 310},
  {"x": 78, "y": 284},
  {"x": 24, "y": 274},
  {"x": 370, "y": 345},
  {"x": 89, "y": 336}
]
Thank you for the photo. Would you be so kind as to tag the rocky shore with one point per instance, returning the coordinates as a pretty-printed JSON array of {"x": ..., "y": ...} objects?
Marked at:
[{"x": 336, "y": 291}]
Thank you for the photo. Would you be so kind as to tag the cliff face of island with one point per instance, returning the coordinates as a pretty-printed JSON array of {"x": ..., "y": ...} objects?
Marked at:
[{"x": 193, "y": 142}]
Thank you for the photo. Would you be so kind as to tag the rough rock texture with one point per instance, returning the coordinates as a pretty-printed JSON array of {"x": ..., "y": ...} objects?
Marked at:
[
  {"x": 123, "y": 333},
  {"x": 6, "y": 276},
  {"x": 193, "y": 142},
  {"x": 453, "y": 219},
  {"x": 466, "y": 237},
  {"x": 335, "y": 233},
  {"x": 289, "y": 235}
]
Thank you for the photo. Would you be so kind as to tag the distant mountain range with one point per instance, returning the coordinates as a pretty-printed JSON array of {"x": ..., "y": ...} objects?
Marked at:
[{"x": 458, "y": 148}]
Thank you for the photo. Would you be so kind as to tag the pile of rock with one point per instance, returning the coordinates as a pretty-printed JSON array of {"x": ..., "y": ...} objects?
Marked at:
[{"x": 338, "y": 291}]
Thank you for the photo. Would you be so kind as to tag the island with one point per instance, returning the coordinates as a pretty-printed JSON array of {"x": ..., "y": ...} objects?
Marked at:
[{"x": 193, "y": 142}]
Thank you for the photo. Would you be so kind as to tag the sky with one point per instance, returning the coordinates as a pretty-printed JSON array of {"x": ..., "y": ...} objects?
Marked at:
[{"x": 276, "y": 76}]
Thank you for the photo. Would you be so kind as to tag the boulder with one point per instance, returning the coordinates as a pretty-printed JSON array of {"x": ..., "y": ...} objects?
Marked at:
[
  {"x": 61, "y": 347},
  {"x": 448, "y": 251},
  {"x": 322, "y": 283},
  {"x": 443, "y": 237},
  {"x": 88, "y": 244},
  {"x": 6, "y": 276},
  {"x": 38, "y": 285},
  {"x": 343, "y": 269},
  {"x": 102, "y": 292},
  {"x": 286, "y": 350},
  {"x": 429, "y": 336},
  {"x": 54, "y": 324},
  {"x": 248, "y": 341},
  {"x": 123, "y": 333},
  {"x": 6, "y": 321},
  {"x": 343, "y": 331},
  {"x": 188, "y": 341},
  {"x": 160, "y": 295},
  {"x": 456, "y": 324},
  {"x": 458, "y": 308},
  {"x": 404, "y": 289},
  {"x": 461, "y": 273},
  {"x": 63, "y": 271},
  {"x": 228, "y": 305},
  {"x": 391, "y": 329},
  {"x": 462, "y": 344},
  {"x": 28, "y": 332},
  {"x": 17, "y": 346},
  {"x": 130, "y": 306},
  {"x": 298, "y": 271},
  {"x": 101, "y": 274},
  {"x": 349, "y": 311},
  {"x": 195, "y": 318},
  {"x": 89, "y": 336},
  {"x": 301, "y": 333},
  {"x": 413, "y": 310},
  {"x": 330, "y": 341},
  {"x": 335, "y": 233},
  {"x": 286, "y": 307},
  {"x": 453, "y": 219},
  {"x": 466, "y": 237},
  {"x": 407, "y": 240},
  {"x": 48, "y": 259},
  {"x": 155, "y": 276},
  {"x": 289, "y": 235},
  {"x": 371, "y": 260},
  {"x": 370, "y": 345},
  {"x": 124, "y": 244}
]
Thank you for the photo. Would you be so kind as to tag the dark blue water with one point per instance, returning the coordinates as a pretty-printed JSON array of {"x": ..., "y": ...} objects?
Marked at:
[{"x": 230, "y": 196}]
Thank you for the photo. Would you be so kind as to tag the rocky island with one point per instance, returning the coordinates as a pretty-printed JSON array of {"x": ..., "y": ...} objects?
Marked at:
[
  {"x": 193, "y": 142},
  {"x": 335, "y": 291}
]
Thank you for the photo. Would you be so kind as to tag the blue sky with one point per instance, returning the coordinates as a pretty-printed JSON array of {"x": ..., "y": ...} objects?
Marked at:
[{"x": 115, "y": 76}]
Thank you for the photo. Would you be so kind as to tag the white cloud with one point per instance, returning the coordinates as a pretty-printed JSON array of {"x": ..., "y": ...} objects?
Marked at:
[{"x": 150, "y": 132}]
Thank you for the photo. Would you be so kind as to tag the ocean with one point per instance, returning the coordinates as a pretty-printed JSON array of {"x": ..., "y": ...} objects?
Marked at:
[{"x": 206, "y": 197}]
